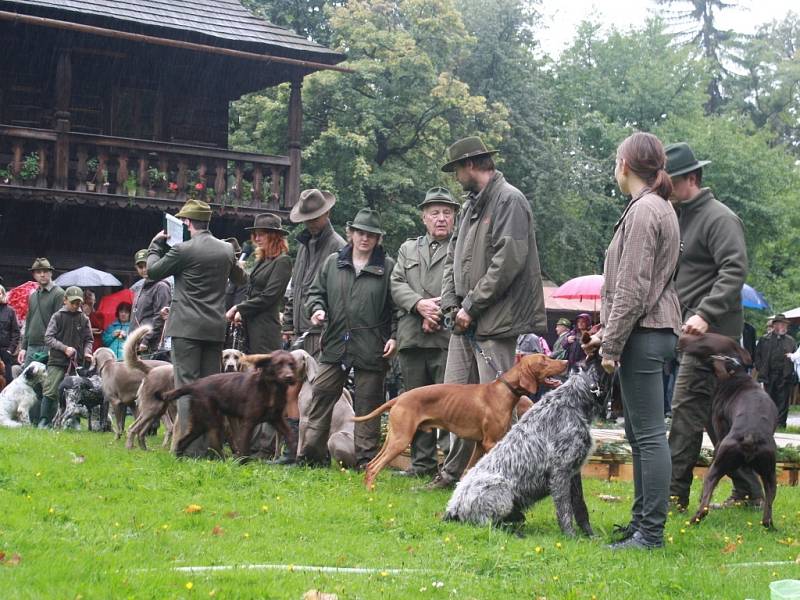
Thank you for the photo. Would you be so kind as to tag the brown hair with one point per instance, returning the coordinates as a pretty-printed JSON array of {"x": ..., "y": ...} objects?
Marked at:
[
  {"x": 644, "y": 154},
  {"x": 484, "y": 162},
  {"x": 275, "y": 246}
]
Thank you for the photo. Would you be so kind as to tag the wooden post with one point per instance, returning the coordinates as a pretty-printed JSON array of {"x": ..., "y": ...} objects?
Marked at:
[
  {"x": 182, "y": 178},
  {"x": 122, "y": 173},
  {"x": 41, "y": 180},
  {"x": 16, "y": 163},
  {"x": 82, "y": 171},
  {"x": 62, "y": 115},
  {"x": 275, "y": 188},
  {"x": 220, "y": 182},
  {"x": 258, "y": 183},
  {"x": 292, "y": 186}
]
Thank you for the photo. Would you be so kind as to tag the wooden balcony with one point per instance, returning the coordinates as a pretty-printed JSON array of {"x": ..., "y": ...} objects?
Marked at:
[{"x": 80, "y": 168}]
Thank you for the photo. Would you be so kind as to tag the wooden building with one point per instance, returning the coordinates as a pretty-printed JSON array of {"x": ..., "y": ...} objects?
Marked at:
[{"x": 114, "y": 111}]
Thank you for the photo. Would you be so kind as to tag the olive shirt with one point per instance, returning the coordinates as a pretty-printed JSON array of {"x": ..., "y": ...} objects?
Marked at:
[
  {"x": 638, "y": 291},
  {"x": 417, "y": 275},
  {"x": 713, "y": 264},
  {"x": 42, "y": 304},
  {"x": 492, "y": 266},
  {"x": 359, "y": 309},
  {"x": 264, "y": 298}
]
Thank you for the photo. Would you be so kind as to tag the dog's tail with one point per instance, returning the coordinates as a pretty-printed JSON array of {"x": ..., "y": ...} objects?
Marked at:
[
  {"x": 132, "y": 360},
  {"x": 172, "y": 394},
  {"x": 378, "y": 411}
]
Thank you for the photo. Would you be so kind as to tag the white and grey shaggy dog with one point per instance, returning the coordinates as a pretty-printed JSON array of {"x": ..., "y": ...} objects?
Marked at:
[
  {"x": 541, "y": 455},
  {"x": 18, "y": 397}
]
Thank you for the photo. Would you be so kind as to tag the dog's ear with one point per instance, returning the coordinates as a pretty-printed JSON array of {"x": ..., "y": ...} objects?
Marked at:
[
  {"x": 256, "y": 360},
  {"x": 527, "y": 376},
  {"x": 312, "y": 366}
]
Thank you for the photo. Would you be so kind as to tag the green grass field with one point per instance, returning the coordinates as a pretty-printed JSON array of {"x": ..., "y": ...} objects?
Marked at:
[{"x": 84, "y": 518}]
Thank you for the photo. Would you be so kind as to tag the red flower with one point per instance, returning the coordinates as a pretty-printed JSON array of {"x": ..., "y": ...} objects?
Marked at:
[
  {"x": 173, "y": 186},
  {"x": 199, "y": 187}
]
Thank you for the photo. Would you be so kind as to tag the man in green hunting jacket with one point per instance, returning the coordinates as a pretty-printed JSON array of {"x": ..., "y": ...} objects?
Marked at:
[
  {"x": 711, "y": 272},
  {"x": 416, "y": 290},
  {"x": 351, "y": 294}
]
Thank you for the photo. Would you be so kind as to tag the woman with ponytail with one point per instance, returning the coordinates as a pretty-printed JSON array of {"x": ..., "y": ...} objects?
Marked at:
[{"x": 641, "y": 321}]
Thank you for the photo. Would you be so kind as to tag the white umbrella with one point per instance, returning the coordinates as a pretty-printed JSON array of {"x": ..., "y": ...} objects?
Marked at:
[{"x": 87, "y": 277}]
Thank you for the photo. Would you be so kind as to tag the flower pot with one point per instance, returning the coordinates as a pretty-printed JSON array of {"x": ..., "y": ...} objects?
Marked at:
[
  {"x": 132, "y": 193},
  {"x": 90, "y": 186},
  {"x": 151, "y": 193}
]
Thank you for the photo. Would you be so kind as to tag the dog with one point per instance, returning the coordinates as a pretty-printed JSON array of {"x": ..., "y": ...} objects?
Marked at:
[
  {"x": 156, "y": 381},
  {"x": 251, "y": 397},
  {"x": 541, "y": 455},
  {"x": 479, "y": 412},
  {"x": 232, "y": 360},
  {"x": 120, "y": 382},
  {"x": 19, "y": 396},
  {"x": 341, "y": 440},
  {"x": 743, "y": 416},
  {"x": 81, "y": 397}
]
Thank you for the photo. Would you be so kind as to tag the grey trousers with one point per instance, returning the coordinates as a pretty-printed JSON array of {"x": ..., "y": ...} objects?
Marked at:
[
  {"x": 466, "y": 365},
  {"x": 420, "y": 367},
  {"x": 328, "y": 385},
  {"x": 691, "y": 413},
  {"x": 193, "y": 360},
  {"x": 640, "y": 375}
]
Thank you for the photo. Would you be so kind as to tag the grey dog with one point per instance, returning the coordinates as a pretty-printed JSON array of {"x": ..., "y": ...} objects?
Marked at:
[{"x": 541, "y": 455}]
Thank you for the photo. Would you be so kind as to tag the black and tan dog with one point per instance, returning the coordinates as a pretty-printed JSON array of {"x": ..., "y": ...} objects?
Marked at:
[{"x": 743, "y": 417}]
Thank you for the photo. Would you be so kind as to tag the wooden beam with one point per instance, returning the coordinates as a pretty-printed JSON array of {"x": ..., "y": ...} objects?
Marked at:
[
  {"x": 292, "y": 187},
  {"x": 159, "y": 41}
]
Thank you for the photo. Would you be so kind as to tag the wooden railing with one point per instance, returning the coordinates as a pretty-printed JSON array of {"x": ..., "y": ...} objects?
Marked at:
[{"x": 123, "y": 166}]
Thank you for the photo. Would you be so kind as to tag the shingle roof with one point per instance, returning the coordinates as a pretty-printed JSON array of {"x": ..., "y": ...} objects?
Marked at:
[{"x": 221, "y": 19}]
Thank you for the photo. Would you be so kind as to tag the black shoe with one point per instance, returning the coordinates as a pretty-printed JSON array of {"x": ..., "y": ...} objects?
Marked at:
[
  {"x": 636, "y": 542},
  {"x": 440, "y": 482},
  {"x": 620, "y": 533}
]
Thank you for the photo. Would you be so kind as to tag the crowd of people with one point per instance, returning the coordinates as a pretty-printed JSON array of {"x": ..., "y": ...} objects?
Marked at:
[{"x": 458, "y": 304}]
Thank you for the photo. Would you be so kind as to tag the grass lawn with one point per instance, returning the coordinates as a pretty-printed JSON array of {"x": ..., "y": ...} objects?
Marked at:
[{"x": 84, "y": 518}]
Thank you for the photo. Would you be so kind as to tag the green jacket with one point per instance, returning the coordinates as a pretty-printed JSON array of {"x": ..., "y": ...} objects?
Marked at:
[
  {"x": 770, "y": 359},
  {"x": 42, "y": 304},
  {"x": 268, "y": 281},
  {"x": 713, "y": 264},
  {"x": 415, "y": 276},
  {"x": 201, "y": 267},
  {"x": 312, "y": 250},
  {"x": 492, "y": 267},
  {"x": 68, "y": 329},
  {"x": 359, "y": 309}
]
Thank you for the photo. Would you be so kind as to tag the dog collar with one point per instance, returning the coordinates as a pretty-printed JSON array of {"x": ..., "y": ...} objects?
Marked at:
[{"x": 518, "y": 392}]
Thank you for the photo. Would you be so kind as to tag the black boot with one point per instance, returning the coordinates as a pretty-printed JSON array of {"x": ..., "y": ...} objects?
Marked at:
[
  {"x": 46, "y": 412},
  {"x": 289, "y": 456}
]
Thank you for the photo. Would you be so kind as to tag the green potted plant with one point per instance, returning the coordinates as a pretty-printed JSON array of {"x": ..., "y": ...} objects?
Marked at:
[
  {"x": 30, "y": 168},
  {"x": 131, "y": 184},
  {"x": 6, "y": 176},
  {"x": 91, "y": 173},
  {"x": 157, "y": 180}
]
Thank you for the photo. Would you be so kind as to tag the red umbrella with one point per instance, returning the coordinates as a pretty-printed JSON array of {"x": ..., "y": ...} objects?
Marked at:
[
  {"x": 108, "y": 305},
  {"x": 586, "y": 287},
  {"x": 18, "y": 298}
]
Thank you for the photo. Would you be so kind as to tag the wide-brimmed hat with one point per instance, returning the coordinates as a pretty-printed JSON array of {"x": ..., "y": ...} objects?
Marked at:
[
  {"x": 780, "y": 318},
  {"x": 681, "y": 160},
  {"x": 368, "y": 220},
  {"x": 439, "y": 195},
  {"x": 237, "y": 249},
  {"x": 564, "y": 322},
  {"x": 467, "y": 147},
  {"x": 197, "y": 210},
  {"x": 41, "y": 264},
  {"x": 268, "y": 222},
  {"x": 140, "y": 257},
  {"x": 313, "y": 203},
  {"x": 73, "y": 293}
]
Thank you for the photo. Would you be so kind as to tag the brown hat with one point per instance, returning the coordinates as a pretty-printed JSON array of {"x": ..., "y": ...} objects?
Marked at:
[
  {"x": 41, "y": 264},
  {"x": 73, "y": 293},
  {"x": 268, "y": 222},
  {"x": 237, "y": 249},
  {"x": 463, "y": 149},
  {"x": 197, "y": 210},
  {"x": 312, "y": 204},
  {"x": 780, "y": 318},
  {"x": 140, "y": 257}
]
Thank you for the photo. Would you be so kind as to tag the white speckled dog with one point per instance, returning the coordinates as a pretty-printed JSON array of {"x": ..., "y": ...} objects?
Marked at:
[
  {"x": 17, "y": 398},
  {"x": 541, "y": 455}
]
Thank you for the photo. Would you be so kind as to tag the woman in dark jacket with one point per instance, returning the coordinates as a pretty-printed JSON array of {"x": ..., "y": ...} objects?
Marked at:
[
  {"x": 267, "y": 285},
  {"x": 9, "y": 333}
]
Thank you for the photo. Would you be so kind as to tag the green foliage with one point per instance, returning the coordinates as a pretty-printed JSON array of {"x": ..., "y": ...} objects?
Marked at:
[
  {"x": 30, "y": 167},
  {"x": 156, "y": 179}
]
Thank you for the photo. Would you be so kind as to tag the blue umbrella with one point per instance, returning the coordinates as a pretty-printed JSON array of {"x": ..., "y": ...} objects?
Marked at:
[{"x": 751, "y": 298}]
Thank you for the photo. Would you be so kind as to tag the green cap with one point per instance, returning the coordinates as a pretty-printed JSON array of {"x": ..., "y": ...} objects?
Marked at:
[
  {"x": 681, "y": 160},
  {"x": 197, "y": 210},
  {"x": 467, "y": 147},
  {"x": 368, "y": 220},
  {"x": 564, "y": 322},
  {"x": 439, "y": 195},
  {"x": 140, "y": 257},
  {"x": 74, "y": 293}
]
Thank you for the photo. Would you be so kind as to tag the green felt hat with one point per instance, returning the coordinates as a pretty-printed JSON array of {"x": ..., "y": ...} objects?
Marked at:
[
  {"x": 468, "y": 147},
  {"x": 41, "y": 264},
  {"x": 439, "y": 195},
  {"x": 197, "y": 210},
  {"x": 268, "y": 222},
  {"x": 681, "y": 160},
  {"x": 368, "y": 220}
]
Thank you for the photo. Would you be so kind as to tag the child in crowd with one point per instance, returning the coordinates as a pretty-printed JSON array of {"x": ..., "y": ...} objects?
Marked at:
[{"x": 115, "y": 334}]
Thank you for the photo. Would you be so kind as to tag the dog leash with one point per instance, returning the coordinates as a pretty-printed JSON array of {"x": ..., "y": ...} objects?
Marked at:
[{"x": 519, "y": 392}]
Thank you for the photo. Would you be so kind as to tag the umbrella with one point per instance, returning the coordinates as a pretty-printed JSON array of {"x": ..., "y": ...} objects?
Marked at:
[
  {"x": 586, "y": 287},
  {"x": 751, "y": 298},
  {"x": 18, "y": 298},
  {"x": 87, "y": 277},
  {"x": 108, "y": 305}
]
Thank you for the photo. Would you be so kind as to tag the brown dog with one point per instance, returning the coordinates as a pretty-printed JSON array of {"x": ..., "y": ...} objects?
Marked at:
[
  {"x": 743, "y": 416},
  {"x": 252, "y": 397},
  {"x": 479, "y": 412}
]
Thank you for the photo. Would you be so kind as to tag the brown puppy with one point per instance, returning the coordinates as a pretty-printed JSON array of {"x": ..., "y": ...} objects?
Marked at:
[
  {"x": 251, "y": 397},
  {"x": 120, "y": 383},
  {"x": 743, "y": 415},
  {"x": 479, "y": 412}
]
